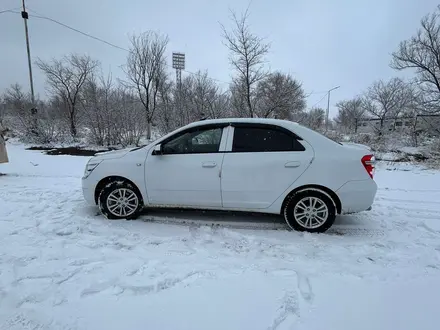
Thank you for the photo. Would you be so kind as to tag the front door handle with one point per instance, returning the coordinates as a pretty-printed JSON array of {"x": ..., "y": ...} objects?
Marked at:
[
  {"x": 292, "y": 164},
  {"x": 209, "y": 164}
]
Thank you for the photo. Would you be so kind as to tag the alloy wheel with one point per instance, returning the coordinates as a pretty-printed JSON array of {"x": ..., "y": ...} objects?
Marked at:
[
  {"x": 310, "y": 212},
  {"x": 122, "y": 202}
]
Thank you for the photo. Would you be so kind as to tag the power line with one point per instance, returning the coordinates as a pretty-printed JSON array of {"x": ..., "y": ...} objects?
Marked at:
[
  {"x": 320, "y": 92},
  {"x": 319, "y": 100},
  {"x": 78, "y": 31},
  {"x": 12, "y": 10},
  {"x": 39, "y": 16},
  {"x": 315, "y": 93}
]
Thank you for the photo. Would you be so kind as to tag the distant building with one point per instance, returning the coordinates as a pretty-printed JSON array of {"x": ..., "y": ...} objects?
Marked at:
[{"x": 421, "y": 123}]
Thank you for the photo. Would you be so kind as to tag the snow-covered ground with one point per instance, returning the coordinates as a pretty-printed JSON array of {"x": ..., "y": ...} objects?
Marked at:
[{"x": 62, "y": 266}]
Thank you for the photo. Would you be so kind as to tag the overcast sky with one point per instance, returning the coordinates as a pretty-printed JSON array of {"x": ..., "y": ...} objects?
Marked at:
[{"x": 323, "y": 43}]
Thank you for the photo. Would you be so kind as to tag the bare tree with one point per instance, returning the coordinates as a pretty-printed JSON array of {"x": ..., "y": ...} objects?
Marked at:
[
  {"x": 98, "y": 107},
  {"x": 247, "y": 52},
  {"x": 422, "y": 54},
  {"x": 388, "y": 99},
  {"x": 239, "y": 105},
  {"x": 18, "y": 104},
  {"x": 166, "y": 116},
  {"x": 2, "y": 109},
  {"x": 145, "y": 69},
  {"x": 199, "y": 98},
  {"x": 43, "y": 127},
  {"x": 112, "y": 115},
  {"x": 314, "y": 119},
  {"x": 221, "y": 106},
  {"x": 130, "y": 120},
  {"x": 66, "y": 78},
  {"x": 349, "y": 113},
  {"x": 280, "y": 96},
  {"x": 185, "y": 95},
  {"x": 205, "y": 95},
  {"x": 203, "y": 98},
  {"x": 50, "y": 123}
]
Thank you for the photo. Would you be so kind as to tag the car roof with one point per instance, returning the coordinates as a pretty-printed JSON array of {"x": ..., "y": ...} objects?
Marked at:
[
  {"x": 280, "y": 122},
  {"x": 316, "y": 139}
]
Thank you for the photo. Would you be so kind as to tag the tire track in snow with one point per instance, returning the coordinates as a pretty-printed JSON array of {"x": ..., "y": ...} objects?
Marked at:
[
  {"x": 162, "y": 285},
  {"x": 288, "y": 312},
  {"x": 30, "y": 320},
  {"x": 416, "y": 213},
  {"x": 18, "y": 175},
  {"x": 409, "y": 190},
  {"x": 406, "y": 201},
  {"x": 305, "y": 288},
  {"x": 338, "y": 230}
]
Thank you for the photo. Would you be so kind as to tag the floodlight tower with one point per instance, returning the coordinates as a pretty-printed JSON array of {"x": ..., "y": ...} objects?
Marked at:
[{"x": 179, "y": 65}]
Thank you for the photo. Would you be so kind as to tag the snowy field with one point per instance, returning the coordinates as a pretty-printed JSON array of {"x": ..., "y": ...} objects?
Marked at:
[{"x": 62, "y": 266}]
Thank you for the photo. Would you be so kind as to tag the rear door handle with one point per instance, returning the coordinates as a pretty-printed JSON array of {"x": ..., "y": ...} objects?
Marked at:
[
  {"x": 292, "y": 164},
  {"x": 209, "y": 164}
]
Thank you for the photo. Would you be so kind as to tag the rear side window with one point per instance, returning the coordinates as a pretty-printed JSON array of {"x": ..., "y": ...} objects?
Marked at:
[{"x": 261, "y": 139}]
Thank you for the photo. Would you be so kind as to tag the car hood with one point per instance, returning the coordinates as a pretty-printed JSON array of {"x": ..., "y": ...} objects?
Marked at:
[{"x": 112, "y": 154}]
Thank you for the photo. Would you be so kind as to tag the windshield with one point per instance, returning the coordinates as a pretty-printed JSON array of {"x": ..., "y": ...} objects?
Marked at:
[{"x": 143, "y": 145}]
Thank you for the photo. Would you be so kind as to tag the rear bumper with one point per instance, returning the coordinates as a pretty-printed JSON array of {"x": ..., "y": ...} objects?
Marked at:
[{"x": 357, "y": 196}]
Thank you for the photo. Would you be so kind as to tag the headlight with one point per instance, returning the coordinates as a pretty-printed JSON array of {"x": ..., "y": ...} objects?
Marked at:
[{"x": 91, "y": 165}]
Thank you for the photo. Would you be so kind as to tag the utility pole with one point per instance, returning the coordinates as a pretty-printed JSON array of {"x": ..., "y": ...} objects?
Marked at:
[
  {"x": 328, "y": 107},
  {"x": 25, "y": 16}
]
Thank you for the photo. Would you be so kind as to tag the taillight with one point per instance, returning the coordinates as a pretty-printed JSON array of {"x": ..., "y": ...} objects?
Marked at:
[{"x": 368, "y": 162}]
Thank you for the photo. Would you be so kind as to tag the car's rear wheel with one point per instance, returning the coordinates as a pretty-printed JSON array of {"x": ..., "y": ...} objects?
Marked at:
[
  {"x": 120, "y": 200},
  {"x": 311, "y": 211}
]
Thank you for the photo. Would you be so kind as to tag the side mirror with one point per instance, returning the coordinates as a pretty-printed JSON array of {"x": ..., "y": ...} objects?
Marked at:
[{"x": 157, "y": 149}]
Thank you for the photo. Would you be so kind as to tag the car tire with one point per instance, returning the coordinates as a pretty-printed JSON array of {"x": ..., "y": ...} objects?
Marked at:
[
  {"x": 310, "y": 210},
  {"x": 120, "y": 200}
]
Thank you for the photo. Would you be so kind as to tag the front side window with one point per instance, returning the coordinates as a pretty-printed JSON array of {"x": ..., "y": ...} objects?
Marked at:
[
  {"x": 194, "y": 142},
  {"x": 261, "y": 139}
]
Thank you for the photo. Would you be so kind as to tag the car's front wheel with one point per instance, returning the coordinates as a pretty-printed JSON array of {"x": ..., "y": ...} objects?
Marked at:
[
  {"x": 311, "y": 211},
  {"x": 120, "y": 200}
]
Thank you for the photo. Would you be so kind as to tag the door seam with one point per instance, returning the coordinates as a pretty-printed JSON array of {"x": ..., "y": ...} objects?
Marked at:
[{"x": 228, "y": 130}]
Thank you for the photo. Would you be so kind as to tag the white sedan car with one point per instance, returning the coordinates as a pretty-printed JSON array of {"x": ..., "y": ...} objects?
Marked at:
[{"x": 253, "y": 165}]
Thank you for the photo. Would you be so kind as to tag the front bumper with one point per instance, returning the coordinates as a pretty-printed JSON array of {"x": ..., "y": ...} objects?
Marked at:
[{"x": 88, "y": 190}]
